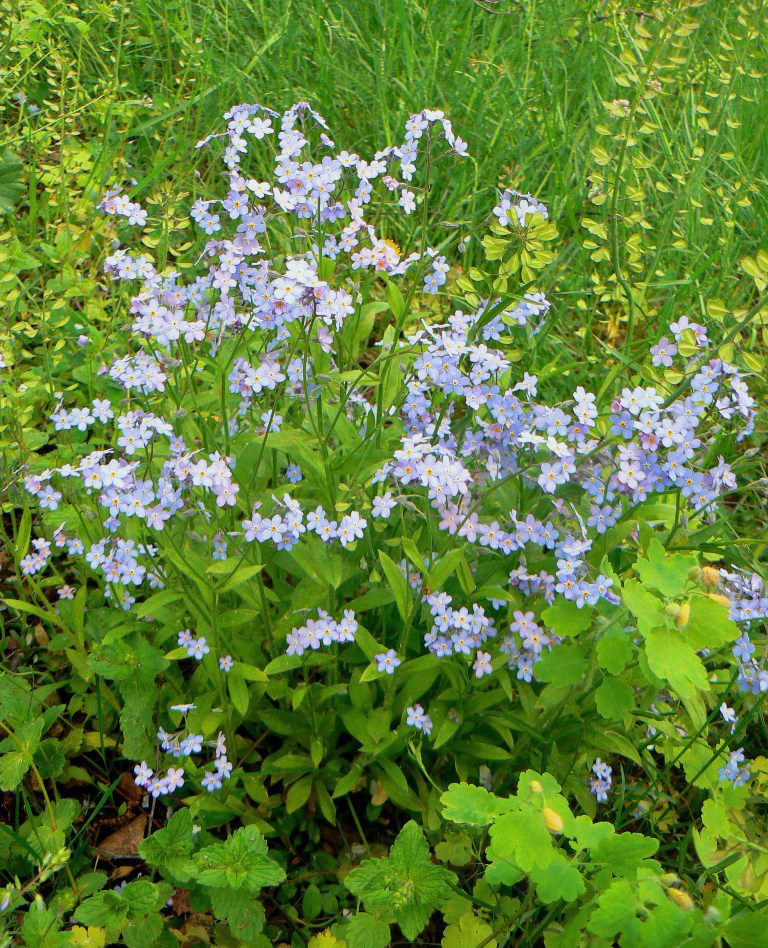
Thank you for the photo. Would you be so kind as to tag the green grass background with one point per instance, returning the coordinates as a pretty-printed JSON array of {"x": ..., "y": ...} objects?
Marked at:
[
  {"x": 138, "y": 83},
  {"x": 124, "y": 89}
]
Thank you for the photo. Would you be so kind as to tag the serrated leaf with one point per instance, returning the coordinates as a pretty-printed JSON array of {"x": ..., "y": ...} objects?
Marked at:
[
  {"x": 472, "y": 806},
  {"x": 18, "y": 753},
  {"x": 559, "y": 880},
  {"x": 365, "y": 931},
  {"x": 244, "y": 914},
  {"x": 406, "y": 886},
  {"x": 469, "y": 932},
  {"x": 522, "y": 839},
  {"x": 240, "y": 862},
  {"x": 170, "y": 848},
  {"x": 623, "y": 853},
  {"x": 666, "y": 573}
]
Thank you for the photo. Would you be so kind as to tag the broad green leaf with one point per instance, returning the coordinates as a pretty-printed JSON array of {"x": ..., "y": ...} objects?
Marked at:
[
  {"x": 565, "y": 618},
  {"x": 244, "y": 914},
  {"x": 614, "y": 698},
  {"x": 564, "y": 665},
  {"x": 559, "y": 880},
  {"x": 644, "y": 606},
  {"x": 709, "y": 624},
  {"x": 170, "y": 848},
  {"x": 666, "y": 573},
  {"x": 623, "y": 853},
  {"x": 473, "y": 806},
  {"x": 365, "y": 931},
  {"x": 469, "y": 932},
  {"x": 616, "y": 908},
  {"x": 240, "y": 862},
  {"x": 674, "y": 661},
  {"x": 521, "y": 838},
  {"x": 406, "y": 886},
  {"x": 614, "y": 650},
  {"x": 18, "y": 752}
]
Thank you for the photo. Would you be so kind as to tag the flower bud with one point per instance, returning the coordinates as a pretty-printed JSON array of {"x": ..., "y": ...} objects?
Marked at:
[
  {"x": 683, "y": 616},
  {"x": 694, "y": 574},
  {"x": 553, "y": 820},
  {"x": 672, "y": 609},
  {"x": 710, "y": 576},
  {"x": 681, "y": 899},
  {"x": 720, "y": 598},
  {"x": 535, "y": 787}
]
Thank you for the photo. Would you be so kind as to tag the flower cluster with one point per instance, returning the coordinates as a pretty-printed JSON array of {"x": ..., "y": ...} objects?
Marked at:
[
  {"x": 600, "y": 784},
  {"x": 184, "y": 745},
  {"x": 733, "y": 771},
  {"x": 417, "y": 717},
  {"x": 239, "y": 384},
  {"x": 116, "y": 203},
  {"x": 321, "y": 631}
]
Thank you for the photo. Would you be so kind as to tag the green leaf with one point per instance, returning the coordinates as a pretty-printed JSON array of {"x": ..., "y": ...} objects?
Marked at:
[
  {"x": 559, "y": 880},
  {"x": 473, "y": 806},
  {"x": 19, "y": 752},
  {"x": 469, "y": 932},
  {"x": 522, "y": 839},
  {"x": 170, "y": 848},
  {"x": 240, "y": 862},
  {"x": 623, "y": 853},
  {"x": 614, "y": 698},
  {"x": 456, "y": 849},
  {"x": 11, "y": 180},
  {"x": 365, "y": 931},
  {"x": 616, "y": 909},
  {"x": 104, "y": 908},
  {"x": 674, "y": 661},
  {"x": 238, "y": 692},
  {"x": 709, "y": 624},
  {"x": 667, "y": 574},
  {"x": 405, "y": 886},
  {"x": 395, "y": 300},
  {"x": 614, "y": 650},
  {"x": 564, "y": 665},
  {"x": 397, "y": 583},
  {"x": 244, "y": 914},
  {"x": 443, "y": 568},
  {"x": 565, "y": 618},
  {"x": 41, "y": 928},
  {"x": 136, "y": 900},
  {"x": 644, "y": 606}
]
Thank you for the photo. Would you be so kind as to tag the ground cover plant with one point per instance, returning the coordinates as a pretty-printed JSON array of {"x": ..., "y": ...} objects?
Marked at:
[{"x": 384, "y": 543}]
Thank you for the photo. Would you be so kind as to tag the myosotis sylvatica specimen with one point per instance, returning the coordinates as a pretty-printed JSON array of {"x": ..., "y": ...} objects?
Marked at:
[{"x": 314, "y": 471}]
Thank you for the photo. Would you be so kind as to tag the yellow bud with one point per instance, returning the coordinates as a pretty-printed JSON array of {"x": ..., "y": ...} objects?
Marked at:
[
  {"x": 553, "y": 820},
  {"x": 720, "y": 598},
  {"x": 672, "y": 609},
  {"x": 535, "y": 787},
  {"x": 710, "y": 576},
  {"x": 681, "y": 899},
  {"x": 683, "y": 616}
]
